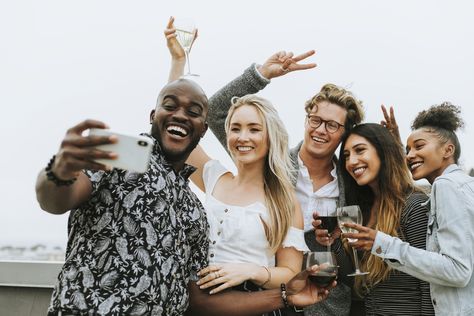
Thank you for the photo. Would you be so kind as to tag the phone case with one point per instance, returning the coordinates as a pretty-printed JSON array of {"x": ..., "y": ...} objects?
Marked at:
[{"x": 133, "y": 152}]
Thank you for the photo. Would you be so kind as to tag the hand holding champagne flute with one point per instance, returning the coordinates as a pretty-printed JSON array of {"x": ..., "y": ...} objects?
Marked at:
[{"x": 351, "y": 214}]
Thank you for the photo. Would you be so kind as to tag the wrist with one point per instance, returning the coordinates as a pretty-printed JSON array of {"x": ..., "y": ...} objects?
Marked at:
[
  {"x": 178, "y": 60},
  {"x": 264, "y": 72},
  {"x": 267, "y": 276},
  {"x": 56, "y": 178},
  {"x": 285, "y": 297}
]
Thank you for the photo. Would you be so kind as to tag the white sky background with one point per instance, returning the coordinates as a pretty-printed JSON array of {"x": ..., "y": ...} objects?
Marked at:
[{"x": 64, "y": 61}]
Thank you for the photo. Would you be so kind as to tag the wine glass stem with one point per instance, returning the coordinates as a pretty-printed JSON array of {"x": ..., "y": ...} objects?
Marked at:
[
  {"x": 356, "y": 260},
  {"x": 186, "y": 53}
]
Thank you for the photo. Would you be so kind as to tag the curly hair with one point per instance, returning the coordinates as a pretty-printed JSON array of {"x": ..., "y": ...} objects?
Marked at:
[
  {"x": 341, "y": 97},
  {"x": 443, "y": 120}
]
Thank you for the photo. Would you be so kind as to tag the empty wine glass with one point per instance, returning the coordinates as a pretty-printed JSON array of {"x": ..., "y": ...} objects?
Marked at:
[
  {"x": 351, "y": 214},
  {"x": 327, "y": 267},
  {"x": 185, "y": 33}
]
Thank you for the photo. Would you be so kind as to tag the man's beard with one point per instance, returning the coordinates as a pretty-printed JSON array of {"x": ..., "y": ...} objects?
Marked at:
[{"x": 170, "y": 155}]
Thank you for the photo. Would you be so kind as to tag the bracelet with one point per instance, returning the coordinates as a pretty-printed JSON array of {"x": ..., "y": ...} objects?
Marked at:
[
  {"x": 284, "y": 298},
  {"x": 52, "y": 177}
]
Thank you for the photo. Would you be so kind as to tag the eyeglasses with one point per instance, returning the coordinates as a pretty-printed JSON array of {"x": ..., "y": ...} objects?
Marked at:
[{"x": 330, "y": 125}]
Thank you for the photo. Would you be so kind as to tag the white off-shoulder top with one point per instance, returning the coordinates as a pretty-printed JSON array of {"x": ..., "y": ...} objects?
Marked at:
[{"x": 236, "y": 232}]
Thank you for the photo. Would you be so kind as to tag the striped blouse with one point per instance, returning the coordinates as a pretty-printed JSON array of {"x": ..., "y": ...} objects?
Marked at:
[{"x": 402, "y": 294}]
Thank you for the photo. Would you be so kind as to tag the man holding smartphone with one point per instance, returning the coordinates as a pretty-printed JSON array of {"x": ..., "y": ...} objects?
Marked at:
[{"x": 137, "y": 240}]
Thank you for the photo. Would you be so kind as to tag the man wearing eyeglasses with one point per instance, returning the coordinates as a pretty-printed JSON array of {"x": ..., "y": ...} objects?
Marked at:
[{"x": 329, "y": 113}]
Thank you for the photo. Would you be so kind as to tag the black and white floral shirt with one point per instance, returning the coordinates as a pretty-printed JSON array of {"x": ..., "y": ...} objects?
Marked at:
[{"x": 133, "y": 246}]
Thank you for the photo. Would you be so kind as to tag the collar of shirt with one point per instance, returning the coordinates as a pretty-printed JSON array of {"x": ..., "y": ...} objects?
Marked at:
[
  {"x": 327, "y": 190},
  {"x": 187, "y": 169}
]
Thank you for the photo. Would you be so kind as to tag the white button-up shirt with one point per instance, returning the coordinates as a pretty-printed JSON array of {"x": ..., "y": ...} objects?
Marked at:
[{"x": 323, "y": 200}]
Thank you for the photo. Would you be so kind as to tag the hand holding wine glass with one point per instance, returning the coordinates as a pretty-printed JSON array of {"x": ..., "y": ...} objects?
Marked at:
[
  {"x": 327, "y": 272},
  {"x": 351, "y": 214},
  {"x": 186, "y": 33},
  {"x": 364, "y": 237},
  {"x": 178, "y": 55},
  {"x": 326, "y": 230},
  {"x": 302, "y": 292}
]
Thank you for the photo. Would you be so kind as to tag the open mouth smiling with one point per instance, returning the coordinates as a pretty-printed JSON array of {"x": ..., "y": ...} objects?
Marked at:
[
  {"x": 358, "y": 171},
  {"x": 414, "y": 165},
  {"x": 177, "y": 131},
  {"x": 319, "y": 140},
  {"x": 244, "y": 148}
]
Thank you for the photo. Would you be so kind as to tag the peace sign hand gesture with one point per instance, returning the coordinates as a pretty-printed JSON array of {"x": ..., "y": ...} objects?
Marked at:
[{"x": 283, "y": 62}]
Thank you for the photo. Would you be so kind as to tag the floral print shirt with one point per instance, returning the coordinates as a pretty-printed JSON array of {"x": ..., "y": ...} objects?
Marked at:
[{"x": 134, "y": 245}]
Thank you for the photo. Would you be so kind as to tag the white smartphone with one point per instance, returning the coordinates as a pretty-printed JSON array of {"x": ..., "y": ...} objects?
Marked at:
[{"x": 133, "y": 152}]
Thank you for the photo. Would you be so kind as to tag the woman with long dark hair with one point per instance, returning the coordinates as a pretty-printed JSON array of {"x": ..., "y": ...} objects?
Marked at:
[{"x": 378, "y": 180}]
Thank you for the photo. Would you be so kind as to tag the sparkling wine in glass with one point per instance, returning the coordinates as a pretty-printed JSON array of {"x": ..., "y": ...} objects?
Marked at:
[
  {"x": 327, "y": 265},
  {"x": 185, "y": 33},
  {"x": 351, "y": 214}
]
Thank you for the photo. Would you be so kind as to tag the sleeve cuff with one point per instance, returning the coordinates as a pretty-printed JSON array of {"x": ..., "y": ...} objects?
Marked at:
[
  {"x": 381, "y": 248},
  {"x": 254, "y": 76},
  {"x": 295, "y": 238}
]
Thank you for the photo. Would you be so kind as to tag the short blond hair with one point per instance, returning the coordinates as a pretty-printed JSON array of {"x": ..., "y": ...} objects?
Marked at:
[{"x": 341, "y": 97}]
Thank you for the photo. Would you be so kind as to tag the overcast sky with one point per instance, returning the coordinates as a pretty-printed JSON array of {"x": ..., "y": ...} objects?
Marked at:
[{"x": 64, "y": 61}]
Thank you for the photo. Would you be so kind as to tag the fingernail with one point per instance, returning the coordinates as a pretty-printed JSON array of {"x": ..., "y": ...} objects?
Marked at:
[{"x": 211, "y": 292}]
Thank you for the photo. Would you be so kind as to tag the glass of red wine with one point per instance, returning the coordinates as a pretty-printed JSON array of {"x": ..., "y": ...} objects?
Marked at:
[
  {"x": 327, "y": 267},
  {"x": 327, "y": 210}
]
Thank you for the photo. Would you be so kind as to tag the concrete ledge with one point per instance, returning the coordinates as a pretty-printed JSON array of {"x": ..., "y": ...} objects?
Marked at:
[{"x": 34, "y": 274}]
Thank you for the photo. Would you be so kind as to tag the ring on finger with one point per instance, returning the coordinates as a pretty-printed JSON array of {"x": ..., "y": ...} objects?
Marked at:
[{"x": 283, "y": 69}]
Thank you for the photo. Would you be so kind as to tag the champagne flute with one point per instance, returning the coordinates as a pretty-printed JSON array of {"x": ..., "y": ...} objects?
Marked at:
[
  {"x": 185, "y": 33},
  {"x": 327, "y": 267},
  {"x": 351, "y": 214}
]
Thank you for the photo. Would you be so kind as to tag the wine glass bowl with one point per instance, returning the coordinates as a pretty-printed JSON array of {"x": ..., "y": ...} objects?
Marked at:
[
  {"x": 327, "y": 215},
  {"x": 351, "y": 214},
  {"x": 328, "y": 268}
]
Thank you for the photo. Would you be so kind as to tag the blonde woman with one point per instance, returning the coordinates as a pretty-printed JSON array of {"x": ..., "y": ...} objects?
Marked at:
[{"x": 255, "y": 221}]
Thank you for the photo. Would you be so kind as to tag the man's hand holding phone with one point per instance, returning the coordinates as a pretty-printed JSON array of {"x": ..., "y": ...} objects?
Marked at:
[
  {"x": 132, "y": 152},
  {"x": 78, "y": 152}
]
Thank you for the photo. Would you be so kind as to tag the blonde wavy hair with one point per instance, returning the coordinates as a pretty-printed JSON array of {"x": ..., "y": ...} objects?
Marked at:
[
  {"x": 278, "y": 176},
  {"x": 341, "y": 97},
  {"x": 395, "y": 184}
]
